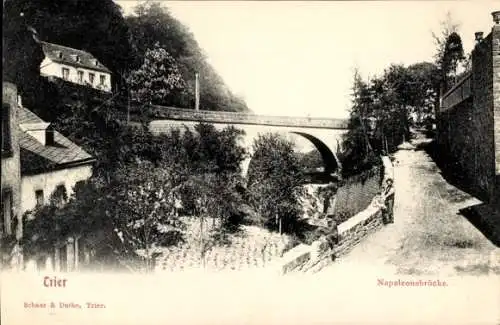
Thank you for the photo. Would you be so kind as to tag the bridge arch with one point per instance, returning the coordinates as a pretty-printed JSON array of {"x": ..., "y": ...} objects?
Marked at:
[
  {"x": 324, "y": 134},
  {"x": 331, "y": 161}
]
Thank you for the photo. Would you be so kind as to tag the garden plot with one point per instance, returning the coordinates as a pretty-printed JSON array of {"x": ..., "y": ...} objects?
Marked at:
[{"x": 251, "y": 247}]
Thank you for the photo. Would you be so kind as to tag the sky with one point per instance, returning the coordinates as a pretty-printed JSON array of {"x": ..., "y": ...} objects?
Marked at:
[{"x": 298, "y": 58}]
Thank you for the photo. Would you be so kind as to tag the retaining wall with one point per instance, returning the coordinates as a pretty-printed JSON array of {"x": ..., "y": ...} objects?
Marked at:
[
  {"x": 469, "y": 121},
  {"x": 357, "y": 193},
  {"x": 312, "y": 258}
]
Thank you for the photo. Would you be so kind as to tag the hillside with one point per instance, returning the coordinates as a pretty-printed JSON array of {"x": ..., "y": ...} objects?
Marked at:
[{"x": 120, "y": 43}]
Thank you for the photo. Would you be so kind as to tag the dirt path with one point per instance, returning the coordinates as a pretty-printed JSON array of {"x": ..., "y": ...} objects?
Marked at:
[{"x": 429, "y": 236}]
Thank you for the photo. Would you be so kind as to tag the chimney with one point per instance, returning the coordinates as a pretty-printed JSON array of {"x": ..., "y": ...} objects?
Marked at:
[
  {"x": 49, "y": 136},
  {"x": 496, "y": 17}
]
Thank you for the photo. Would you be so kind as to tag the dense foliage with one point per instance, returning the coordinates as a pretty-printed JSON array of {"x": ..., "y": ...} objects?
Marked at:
[
  {"x": 158, "y": 80},
  {"x": 387, "y": 107},
  {"x": 154, "y": 23},
  {"x": 123, "y": 44},
  {"x": 384, "y": 110},
  {"x": 449, "y": 57},
  {"x": 141, "y": 184},
  {"x": 275, "y": 183}
]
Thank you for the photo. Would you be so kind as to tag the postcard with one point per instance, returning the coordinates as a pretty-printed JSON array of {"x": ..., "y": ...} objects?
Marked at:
[{"x": 250, "y": 162}]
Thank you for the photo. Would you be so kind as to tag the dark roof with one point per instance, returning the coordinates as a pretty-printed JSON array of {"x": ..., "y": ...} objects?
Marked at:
[
  {"x": 65, "y": 55},
  {"x": 26, "y": 116},
  {"x": 36, "y": 157}
]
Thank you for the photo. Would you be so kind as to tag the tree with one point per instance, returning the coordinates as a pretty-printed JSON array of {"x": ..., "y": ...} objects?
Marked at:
[
  {"x": 311, "y": 160},
  {"x": 423, "y": 93},
  {"x": 210, "y": 157},
  {"x": 356, "y": 142},
  {"x": 137, "y": 208},
  {"x": 213, "y": 196},
  {"x": 158, "y": 80},
  {"x": 82, "y": 215},
  {"x": 384, "y": 109},
  {"x": 153, "y": 23},
  {"x": 449, "y": 52},
  {"x": 97, "y": 26},
  {"x": 275, "y": 182},
  {"x": 144, "y": 207}
]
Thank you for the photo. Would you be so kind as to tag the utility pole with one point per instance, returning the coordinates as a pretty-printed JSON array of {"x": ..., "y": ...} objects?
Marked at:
[{"x": 197, "y": 92}]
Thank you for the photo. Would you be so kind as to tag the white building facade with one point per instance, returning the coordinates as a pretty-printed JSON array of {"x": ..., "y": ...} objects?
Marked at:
[
  {"x": 75, "y": 66},
  {"x": 51, "y": 167}
]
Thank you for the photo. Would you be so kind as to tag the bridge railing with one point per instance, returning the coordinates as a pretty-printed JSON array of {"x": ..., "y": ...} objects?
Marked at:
[
  {"x": 173, "y": 113},
  {"x": 458, "y": 93}
]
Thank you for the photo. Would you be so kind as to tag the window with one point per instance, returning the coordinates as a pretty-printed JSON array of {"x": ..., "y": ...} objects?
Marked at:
[
  {"x": 6, "y": 212},
  {"x": 6, "y": 134},
  {"x": 91, "y": 78},
  {"x": 78, "y": 186},
  {"x": 80, "y": 77},
  {"x": 65, "y": 73},
  {"x": 60, "y": 195},
  {"x": 39, "y": 198},
  {"x": 103, "y": 79}
]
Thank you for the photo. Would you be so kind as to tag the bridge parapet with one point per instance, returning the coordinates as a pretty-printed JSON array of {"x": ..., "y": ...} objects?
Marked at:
[
  {"x": 457, "y": 94},
  {"x": 172, "y": 113}
]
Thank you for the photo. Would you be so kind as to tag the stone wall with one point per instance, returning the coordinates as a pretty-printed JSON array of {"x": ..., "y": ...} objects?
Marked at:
[
  {"x": 469, "y": 121},
  {"x": 11, "y": 170},
  {"x": 357, "y": 193},
  {"x": 496, "y": 105},
  {"x": 312, "y": 258}
]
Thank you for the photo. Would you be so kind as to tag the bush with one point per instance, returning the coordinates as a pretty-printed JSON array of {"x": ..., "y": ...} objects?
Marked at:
[{"x": 274, "y": 182}]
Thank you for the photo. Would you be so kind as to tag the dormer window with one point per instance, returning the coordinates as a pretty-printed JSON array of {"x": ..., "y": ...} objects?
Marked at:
[
  {"x": 75, "y": 57},
  {"x": 96, "y": 63},
  {"x": 37, "y": 130},
  {"x": 59, "y": 54}
]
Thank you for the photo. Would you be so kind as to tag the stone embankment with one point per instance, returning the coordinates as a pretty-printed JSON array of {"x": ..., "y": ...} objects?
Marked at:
[{"x": 312, "y": 258}]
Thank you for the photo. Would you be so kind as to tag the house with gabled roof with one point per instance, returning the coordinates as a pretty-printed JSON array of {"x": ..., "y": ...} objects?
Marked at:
[
  {"x": 73, "y": 65},
  {"x": 49, "y": 161},
  {"x": 51, "y": 166}
]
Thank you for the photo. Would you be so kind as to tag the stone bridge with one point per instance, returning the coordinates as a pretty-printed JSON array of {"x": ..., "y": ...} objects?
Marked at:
[{"x": 324, "y": 134}]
